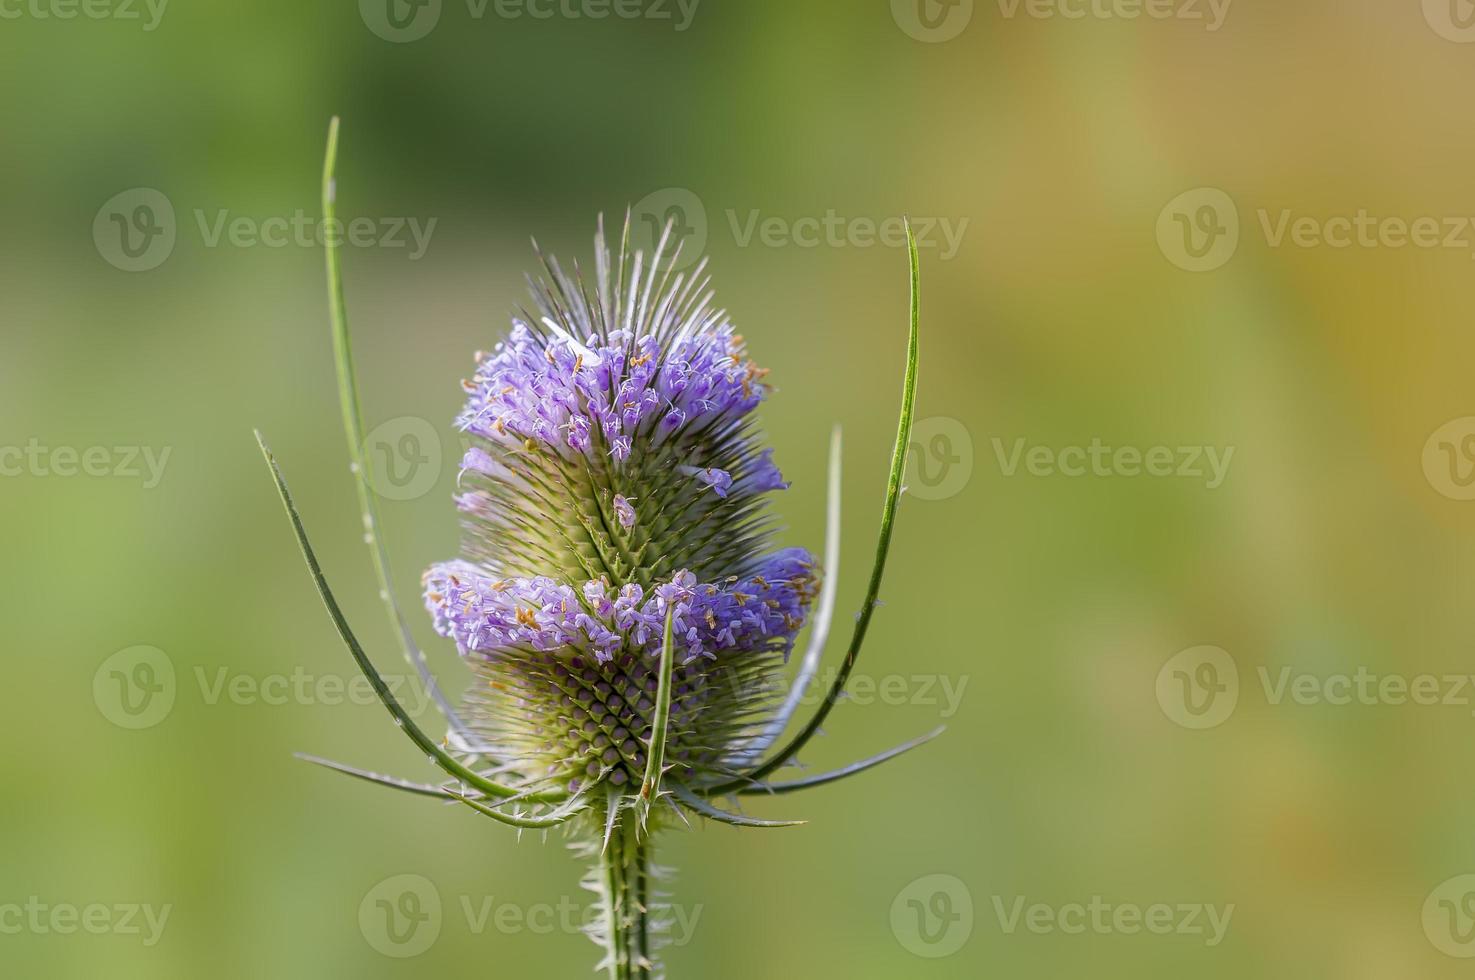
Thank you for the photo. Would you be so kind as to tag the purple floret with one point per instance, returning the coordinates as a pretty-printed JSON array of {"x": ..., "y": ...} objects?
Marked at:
[{"x": 487, "y": 615}]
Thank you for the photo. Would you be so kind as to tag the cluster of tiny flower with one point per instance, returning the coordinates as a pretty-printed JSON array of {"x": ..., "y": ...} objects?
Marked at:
[
  {"x": 565, "y": 395},
  {"x": 486, "y": 616}
]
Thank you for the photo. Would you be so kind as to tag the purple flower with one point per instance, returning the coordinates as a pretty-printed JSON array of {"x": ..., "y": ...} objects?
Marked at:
[
  {"x": 598, "y": 399},
  {"x": 624, "y": 512},
  {"x": 719, "y": 480}
]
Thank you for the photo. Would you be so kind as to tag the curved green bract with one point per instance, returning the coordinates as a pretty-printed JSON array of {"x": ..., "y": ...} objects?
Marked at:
[
  {"x": 824, "y": 615},
  {"x": 655, "y": 755},
  {"x": 393, "y": 782},
  {"x": 722, "y": 816},
  {"x": 883, "y": 546},
  {"x": 554, "y": 819},
  {"x": 353, "y": 429},
  {"x": 434, "y": 752},
  {"x": 765, "y": 789}
]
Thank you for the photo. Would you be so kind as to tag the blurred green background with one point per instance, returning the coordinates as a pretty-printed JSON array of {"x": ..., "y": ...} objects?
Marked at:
[{"x": 1337, "y": 540}]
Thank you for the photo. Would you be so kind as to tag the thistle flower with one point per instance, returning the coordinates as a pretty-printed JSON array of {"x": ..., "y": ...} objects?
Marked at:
[{"x": 619, "y": 598}]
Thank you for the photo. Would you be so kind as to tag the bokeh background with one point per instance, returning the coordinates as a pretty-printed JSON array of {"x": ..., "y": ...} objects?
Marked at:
[{"x": 1086, "y": 299}]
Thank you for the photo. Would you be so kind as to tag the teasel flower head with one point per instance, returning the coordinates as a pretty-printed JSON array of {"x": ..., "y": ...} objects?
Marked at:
[
  {"x": 616, "y": 479},
  {"x": 620, "y": 597}
]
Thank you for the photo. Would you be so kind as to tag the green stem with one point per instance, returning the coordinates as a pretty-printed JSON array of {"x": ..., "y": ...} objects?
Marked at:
[
  {"x": 642, "y": 907},
  {"x": 353, "y": 430},
  {"x": 624, "y": 875},
  {"x": 614, "y": 945}
]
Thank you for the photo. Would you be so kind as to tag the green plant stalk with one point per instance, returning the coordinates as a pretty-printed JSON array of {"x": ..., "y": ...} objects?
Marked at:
[
  {"x": 353, "y": 430},
  {"x": 623, "y": 873}
]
